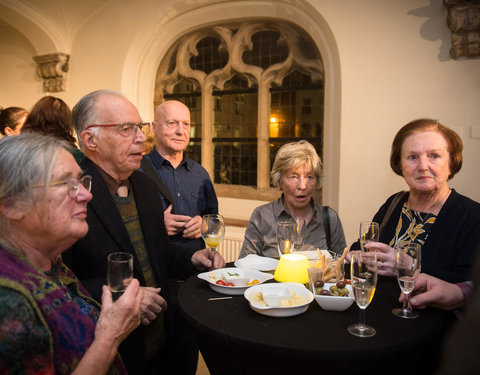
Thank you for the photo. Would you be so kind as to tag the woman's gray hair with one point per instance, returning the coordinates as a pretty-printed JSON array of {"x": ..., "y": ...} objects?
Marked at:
[
  {"x": 26, "y": 160},
  {"x": 294, "y": 155},
  {"x": 84, "y": 113}
]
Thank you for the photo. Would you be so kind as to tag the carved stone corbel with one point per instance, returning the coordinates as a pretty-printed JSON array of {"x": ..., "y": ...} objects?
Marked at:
[
  {"x": 463, "y": 20},
  {"x": 53, "y": 69}
]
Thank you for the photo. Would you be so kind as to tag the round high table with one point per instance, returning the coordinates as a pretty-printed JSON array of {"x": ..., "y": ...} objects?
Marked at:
[{"x": 234, "y": 339}]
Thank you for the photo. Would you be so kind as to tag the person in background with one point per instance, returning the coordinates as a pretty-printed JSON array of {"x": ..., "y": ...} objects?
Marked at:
[
  {"x": 48, "y": 322},
  {"x": 52, "y": 116},
  {"x": 187, "y": 193},
  {"x": 12, "y": 120},
  {"x": 126, "y": 214},
  {"x": 297, "y": 172},
  {"x": 446, "y": 224}
]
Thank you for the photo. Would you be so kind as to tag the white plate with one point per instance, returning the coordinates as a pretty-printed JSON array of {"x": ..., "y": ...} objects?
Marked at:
[
  {"x": 233, "y": 290},
  {"x": 256, "y": 262},
  {"x": 283, "y": 311}
]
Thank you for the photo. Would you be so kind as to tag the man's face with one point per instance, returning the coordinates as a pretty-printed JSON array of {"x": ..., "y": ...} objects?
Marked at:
[
  {"x": 172, "y": 127},
  {"x": 115, "y": 153}
]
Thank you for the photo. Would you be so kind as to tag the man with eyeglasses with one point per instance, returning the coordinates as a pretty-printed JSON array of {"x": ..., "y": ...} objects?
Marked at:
[
  {"x": 126, "y": 214},
  {"x": 187, "y": 194}
]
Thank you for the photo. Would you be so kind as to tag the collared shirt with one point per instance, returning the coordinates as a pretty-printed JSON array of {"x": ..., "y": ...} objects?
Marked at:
[
  {"x": 112, "y": 184},
  {"x": 261, "y": 233},
  {"x": 191, "y": 188}
]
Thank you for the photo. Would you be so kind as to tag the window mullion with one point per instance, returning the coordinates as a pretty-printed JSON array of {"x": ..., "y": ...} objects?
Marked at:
[
  {"x": 207, "y": 126},
  {"x": 263, "y": 133}
]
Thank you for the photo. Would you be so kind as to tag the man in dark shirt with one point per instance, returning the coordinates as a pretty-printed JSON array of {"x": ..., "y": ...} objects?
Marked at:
[
  {"x": 187, "y": 193},
  {"x": 126, "y": 214}
]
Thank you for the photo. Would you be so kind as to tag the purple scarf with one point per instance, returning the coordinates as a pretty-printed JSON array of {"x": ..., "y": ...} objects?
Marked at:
[{"x": 71, "y": 330}]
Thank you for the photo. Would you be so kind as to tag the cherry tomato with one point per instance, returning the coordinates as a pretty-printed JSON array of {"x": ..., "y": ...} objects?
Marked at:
[
  {"x": 220, "y": 282},
  {"x": 230, "y": 284},
  {"x": 253, "y": 282}
]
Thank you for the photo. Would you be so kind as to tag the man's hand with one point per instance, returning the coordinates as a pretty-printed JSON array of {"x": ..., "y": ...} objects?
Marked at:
[
  {"x": 430, "y": 291},
  {"x": 207, "y": 259},
  {"x": 152, "y": 305},
  {"x": 192, "y": 228},
  {"x": 174, "y": 223}
]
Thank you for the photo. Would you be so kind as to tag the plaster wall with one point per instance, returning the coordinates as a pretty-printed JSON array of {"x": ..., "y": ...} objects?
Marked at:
[{"x": 391, "y": 66}]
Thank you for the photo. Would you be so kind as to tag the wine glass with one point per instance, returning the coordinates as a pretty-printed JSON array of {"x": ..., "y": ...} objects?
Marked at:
[
  {"x": 285, "y": 236},
  {"x": 119, "y": 273},
  {"x": 364, "y": 283},
  {"x": 369, "y": 231},
  {"x": 299, "y": 237},
  {"x": 213, "y": 230},
  {"x": 407, "y": 268}
]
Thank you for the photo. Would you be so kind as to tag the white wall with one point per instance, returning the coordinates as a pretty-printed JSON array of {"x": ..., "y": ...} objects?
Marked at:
[{"x": 392, "y": 61}]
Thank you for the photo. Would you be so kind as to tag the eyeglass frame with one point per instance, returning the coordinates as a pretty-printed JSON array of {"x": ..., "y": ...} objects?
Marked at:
[
  {"x": 134, "y": 126},
  {"x": 72, "y": 188}
]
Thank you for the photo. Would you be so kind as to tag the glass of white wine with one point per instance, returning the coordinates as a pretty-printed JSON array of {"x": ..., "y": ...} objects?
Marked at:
[
  {"x": 119, "y": 273},
  {"x": 364, "y": 283},
  {"x": 369, "y": 231},
  {"x": 407, "y": 268},
  {"x": 213, "y": 230},
  {"x": 286, "y": 234}
]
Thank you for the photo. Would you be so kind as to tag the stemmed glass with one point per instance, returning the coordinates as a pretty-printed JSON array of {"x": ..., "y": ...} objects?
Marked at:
[
  {"x": 369, "y": 231},
  {"x": 407, "y": 268},
  {"x": 299, "y": 238},
  {"x": 364, "y": 283},
  {"x": 119, "y": 273},
  {"x": 213, "y": 230},
  {"x": 285, "y": 236}
]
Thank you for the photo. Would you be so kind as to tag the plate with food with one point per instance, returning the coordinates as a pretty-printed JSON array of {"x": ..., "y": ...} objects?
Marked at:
[
  {"x": 334, "y": 296},
  {"x": 279, "y": 299},
  {"x": 234, "y": 281},
  {"x": 257, "y": 262}
]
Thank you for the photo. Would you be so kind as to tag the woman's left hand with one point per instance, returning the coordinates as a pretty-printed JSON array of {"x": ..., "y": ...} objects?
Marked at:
[{"x": 385, "y": 257}]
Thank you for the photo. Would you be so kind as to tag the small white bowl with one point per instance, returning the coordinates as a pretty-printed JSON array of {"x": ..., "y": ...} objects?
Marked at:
[{"x": 335, "y": 303}]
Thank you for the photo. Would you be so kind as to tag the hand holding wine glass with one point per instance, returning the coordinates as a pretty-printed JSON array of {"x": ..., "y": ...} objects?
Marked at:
[
  {"x": 407, "y": 268},
  {"x": 369, "y": 231},
  {"x": 364, "y": 283},
  {"x": 213, "y": 230},
  {"x": 119, "y": 273}
]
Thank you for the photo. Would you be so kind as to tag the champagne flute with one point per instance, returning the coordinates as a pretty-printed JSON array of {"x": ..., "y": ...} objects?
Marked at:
[
  {"x": 407, "y": 268},
  {"x": 364, "y": 283},
  {"x": 213, "y": 230},
  {"x": 285, "y": 236},
  {"x": 369, "y": 231},
  {"x": 299, "y": 238},
  {"x": 119, "y": 273}
]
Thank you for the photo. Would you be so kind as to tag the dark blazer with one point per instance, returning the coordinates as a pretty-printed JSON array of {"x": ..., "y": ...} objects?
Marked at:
[
  {"x": 450, "y": 249},
  {"x": 107, "y": 234}
]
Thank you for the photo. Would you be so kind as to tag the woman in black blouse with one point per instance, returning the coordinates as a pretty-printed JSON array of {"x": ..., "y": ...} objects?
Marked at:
[{"x": 446, "y": 224}]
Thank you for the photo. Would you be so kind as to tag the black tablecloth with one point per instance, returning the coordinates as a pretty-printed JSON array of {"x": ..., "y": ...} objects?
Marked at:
[{"x": 234, "y": 339}]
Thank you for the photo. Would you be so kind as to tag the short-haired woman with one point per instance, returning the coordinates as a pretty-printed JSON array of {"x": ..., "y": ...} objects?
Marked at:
[
  {"x": 446, "y": 224},
  {"x": 297, "y": 172}
]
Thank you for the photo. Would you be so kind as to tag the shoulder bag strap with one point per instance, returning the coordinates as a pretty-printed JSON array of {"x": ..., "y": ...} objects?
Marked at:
[
  {"x": 162, "y": 187},
  {"x": 390, "y": 209},
  {"x": 326, "y": 224}
]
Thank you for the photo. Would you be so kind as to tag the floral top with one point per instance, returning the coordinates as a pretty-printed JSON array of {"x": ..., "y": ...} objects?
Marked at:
[{"x": 413, "y": 226}]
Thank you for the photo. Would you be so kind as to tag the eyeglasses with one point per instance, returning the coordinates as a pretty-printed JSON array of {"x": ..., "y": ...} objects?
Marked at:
[
  {"x": 73, "y": 184},
  {"x": 126, "y": 129}
]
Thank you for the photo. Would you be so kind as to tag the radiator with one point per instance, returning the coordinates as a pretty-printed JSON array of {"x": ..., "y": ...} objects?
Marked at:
[{"x": 231, "y": 245}]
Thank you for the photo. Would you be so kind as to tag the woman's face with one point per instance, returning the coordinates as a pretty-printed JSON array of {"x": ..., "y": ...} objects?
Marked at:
[
  {"x": 298, "y": 186},
  {"x": 59, "y": 223},
  {"x": 425, "y": 161}
]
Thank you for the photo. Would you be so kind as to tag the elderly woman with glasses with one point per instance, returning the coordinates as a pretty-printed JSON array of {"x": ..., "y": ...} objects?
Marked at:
[
  {"x": 48, "y": 322},
  {"x": 297, "y": 172}
]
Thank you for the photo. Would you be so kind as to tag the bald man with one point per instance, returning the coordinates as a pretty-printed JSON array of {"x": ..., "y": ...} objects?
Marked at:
[{"x": 187, "y": 194}]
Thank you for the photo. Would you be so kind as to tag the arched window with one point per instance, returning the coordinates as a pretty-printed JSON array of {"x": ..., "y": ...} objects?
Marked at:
[{"x": 250, "y": 87}]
